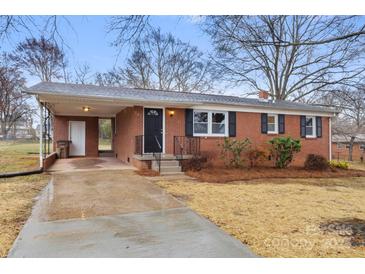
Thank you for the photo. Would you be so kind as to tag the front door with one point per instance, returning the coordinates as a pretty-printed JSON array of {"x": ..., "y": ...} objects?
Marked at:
[
  {"x": 77, "y": 137},
  {"x": 153, "y": 130}
]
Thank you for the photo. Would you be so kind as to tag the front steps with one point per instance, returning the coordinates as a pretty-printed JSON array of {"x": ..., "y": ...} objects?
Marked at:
[{"x": 167, "y": 167}]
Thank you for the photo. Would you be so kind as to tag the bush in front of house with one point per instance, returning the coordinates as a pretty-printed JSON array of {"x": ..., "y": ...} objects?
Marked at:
[
  {"x": 316, "y": 162},
  {"x": 283, "y": 149},
  {"x": 339, "y": 164},
  {"x": 232, "y": 149},
  {"x": 194, "y": 164},
  {"x": 255, "y": 156}
]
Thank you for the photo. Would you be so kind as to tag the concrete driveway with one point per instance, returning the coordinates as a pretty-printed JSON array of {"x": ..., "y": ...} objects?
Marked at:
[{"x": 117, "y": 214}]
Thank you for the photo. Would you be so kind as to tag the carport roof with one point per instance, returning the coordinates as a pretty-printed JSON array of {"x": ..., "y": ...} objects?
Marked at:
[{"x": 151, "y": 96}]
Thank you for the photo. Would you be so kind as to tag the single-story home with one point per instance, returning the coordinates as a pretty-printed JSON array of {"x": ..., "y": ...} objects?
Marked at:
[
  {"x": 147, "y": 123},
  {"x": 341, "y": 147}
]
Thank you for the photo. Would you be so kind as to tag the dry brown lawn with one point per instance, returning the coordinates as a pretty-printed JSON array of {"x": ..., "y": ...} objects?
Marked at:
[
  {"x": 284, "y": 217},
  {"x": 16, "y": 200},
  {"x": 357, "y": 165}
]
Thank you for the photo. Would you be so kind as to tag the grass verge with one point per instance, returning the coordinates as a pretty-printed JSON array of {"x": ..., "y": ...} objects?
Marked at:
[
  {"x": 16, "y": 200},
  {"x": 284, "y": 217}
]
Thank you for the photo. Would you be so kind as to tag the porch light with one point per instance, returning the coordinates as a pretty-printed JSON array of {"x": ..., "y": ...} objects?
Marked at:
[
  {"x": 85, "y": 108},
  {"x": 171, "y": 113}
]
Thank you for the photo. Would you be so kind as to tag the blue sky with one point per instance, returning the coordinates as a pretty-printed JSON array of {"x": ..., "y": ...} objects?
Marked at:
[{"x": 89, "y": 42}]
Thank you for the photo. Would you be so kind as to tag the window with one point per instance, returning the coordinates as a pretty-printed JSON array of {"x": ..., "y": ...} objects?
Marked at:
[
  {"x": 339, "y": 145},
  {"x": 272, "y": 123},
  {"x": 362, "y": 147},
  {"x": 218, "y": 123},
  {"x": 210, "y": 123},
  {"x": 201, "y": 122},
  {"x": 310, "y": 127}
]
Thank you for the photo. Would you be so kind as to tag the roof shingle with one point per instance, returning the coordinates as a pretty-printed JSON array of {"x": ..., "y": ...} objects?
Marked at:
[{"x": 152, "y": 95}]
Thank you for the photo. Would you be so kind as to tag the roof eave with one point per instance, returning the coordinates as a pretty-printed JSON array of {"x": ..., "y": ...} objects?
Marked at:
[{"x": 177, "y": 103}]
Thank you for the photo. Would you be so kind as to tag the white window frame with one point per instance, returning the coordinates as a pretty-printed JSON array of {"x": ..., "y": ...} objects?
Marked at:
[
  {"x": 210, "y": 124},
  {"x": 314, "y": 131},
  {"x": 276, "y": 121}
]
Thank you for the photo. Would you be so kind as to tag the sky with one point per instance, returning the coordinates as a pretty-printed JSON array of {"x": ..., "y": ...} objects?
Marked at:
[{"x": 88, "y": 42}]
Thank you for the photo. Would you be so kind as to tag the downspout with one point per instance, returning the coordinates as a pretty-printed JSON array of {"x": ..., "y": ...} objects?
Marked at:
[
  {"x": 330, "y": 138},
  {"x": 41, "y": 135}
]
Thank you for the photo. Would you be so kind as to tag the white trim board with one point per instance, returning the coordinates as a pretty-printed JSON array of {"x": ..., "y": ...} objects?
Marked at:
[{"x": 263, "y": 110}]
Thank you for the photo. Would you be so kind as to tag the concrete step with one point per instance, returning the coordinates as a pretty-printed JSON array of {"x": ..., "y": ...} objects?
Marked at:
[
  {"x": 166, "y": 174},
  {"x": 170, "y": 163},
  {"x": 165, "y": 163},
  {"x": 167, "y": 168}
]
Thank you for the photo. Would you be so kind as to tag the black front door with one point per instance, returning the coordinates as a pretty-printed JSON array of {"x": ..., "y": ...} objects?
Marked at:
[{"x": 153, "y": 130}]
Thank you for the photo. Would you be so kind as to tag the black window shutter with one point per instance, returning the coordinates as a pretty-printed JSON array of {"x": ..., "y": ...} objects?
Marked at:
[
  {"x": 264, "y": 123},
  {"x": 189, "y": 122},
  {"x": 281, "y": 118},
  {"x": 302, "y": 127},
  {"x": 232, "y": 124},
  {"x": 319, "y": 126}
]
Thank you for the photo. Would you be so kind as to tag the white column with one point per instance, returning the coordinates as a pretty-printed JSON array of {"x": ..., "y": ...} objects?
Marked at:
[
  {"x": 330, "y": 138},
  {"x": 41, "y": 135}
]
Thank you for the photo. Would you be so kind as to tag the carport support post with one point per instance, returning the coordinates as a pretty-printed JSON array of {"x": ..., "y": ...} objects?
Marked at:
[{"x": 41, "y": 135}]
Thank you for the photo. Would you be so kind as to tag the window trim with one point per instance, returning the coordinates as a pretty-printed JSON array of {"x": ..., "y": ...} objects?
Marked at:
[
  {"x": 210, "y": 124},
  {"x": 314, "y": 126},
  {"x": 276, "y": 123}
]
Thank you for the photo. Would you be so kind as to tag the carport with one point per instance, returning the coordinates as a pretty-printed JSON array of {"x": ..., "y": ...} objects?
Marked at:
[{"x": 74, "y": 120}]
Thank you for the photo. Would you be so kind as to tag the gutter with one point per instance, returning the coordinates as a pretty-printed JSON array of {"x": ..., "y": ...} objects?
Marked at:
[{"x": 23, "y": 173}]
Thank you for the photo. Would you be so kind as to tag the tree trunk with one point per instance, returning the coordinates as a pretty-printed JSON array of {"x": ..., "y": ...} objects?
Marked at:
[
  {"x": 3, "y": 131},
  {"x": 351, "y": 146}
]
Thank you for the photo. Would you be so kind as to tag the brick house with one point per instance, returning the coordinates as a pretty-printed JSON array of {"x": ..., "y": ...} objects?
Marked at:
[
  {"x": 171, "y": 124},
  {"x": 341, "y": 145}
]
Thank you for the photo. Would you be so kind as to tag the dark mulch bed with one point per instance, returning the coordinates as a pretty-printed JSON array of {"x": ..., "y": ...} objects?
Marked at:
[{"x": 223, "y": 175}]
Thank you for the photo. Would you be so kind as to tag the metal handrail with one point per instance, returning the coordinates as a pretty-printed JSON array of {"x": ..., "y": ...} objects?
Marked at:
[
  {"x": 186, "y": 145},
  {"x": 158, "y": 143},
  {"x": 139, "y": 143},
  {"x": 157, "y": 155}
]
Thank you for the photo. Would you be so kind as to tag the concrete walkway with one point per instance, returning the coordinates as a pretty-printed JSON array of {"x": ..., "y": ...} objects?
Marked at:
[{"x": 117, "y": 214}]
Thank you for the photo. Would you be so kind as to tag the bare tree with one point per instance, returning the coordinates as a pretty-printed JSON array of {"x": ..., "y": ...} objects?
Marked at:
[
  {"x": 351, "y": 121},
  {"x": 128, "y": 29},
  {"x": 32, "y": 26},
  {"x": 12, "y": 101},
  {"x": 290, "y": 56},
  {"x": 41, "y": 58},
  {"x": 112, "y": 78},
  {"x": 83, "y": 74},
  {"x": 161, "y": 61}
]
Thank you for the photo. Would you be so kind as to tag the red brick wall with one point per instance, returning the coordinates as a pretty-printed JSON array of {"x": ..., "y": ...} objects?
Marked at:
[
  {"x": 249, "y": 125},
  {"x": 174, "y": 126},
  {"x": 129, "y": 123},
  {"x": 343, "y": 152},
  {"x": 49, "y": 161},
  {"x": 61, "y": 127}
]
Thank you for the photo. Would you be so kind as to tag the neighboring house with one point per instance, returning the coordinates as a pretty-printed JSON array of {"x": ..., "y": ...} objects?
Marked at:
[
  {"x": 341, "y": 145},
  {"x": 22, "y": 129},
  {"x": 146, "y": 122}
]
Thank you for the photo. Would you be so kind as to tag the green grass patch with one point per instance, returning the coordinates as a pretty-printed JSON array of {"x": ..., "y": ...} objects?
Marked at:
[{"x": 18, "y": 156}]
